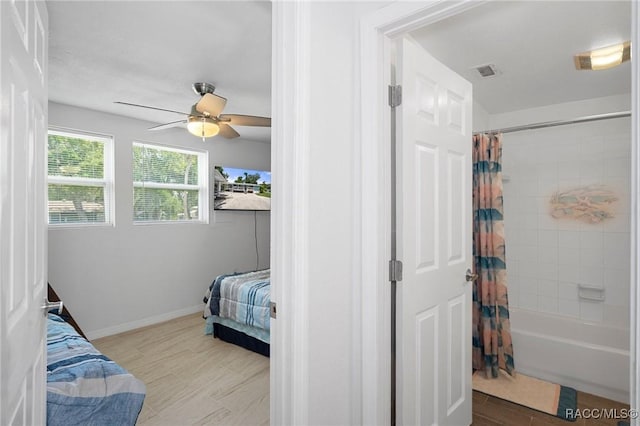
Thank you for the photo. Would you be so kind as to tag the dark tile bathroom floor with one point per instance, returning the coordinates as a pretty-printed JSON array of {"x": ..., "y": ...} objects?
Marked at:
[{"x": 492, "y": 411}]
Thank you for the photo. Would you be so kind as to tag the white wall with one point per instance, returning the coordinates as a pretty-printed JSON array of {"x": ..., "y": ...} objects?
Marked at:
[
  {"x": 331, "y": 210},
  {"x": 316, "y": 338},
  {"x": 481, "y": 118},
  {"x": 117, "y": 278},
  {"x": 548, "y": 258}
]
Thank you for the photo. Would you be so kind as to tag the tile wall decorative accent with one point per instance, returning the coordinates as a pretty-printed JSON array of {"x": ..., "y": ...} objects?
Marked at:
[
  {"x": 589, "y": 204},
  {"x": 549, "y": 258}
]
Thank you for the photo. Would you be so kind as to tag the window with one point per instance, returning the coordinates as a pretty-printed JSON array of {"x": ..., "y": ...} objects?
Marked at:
[
  {"x": 169, "y": 184},
  {"x": 80, "y": 182}
]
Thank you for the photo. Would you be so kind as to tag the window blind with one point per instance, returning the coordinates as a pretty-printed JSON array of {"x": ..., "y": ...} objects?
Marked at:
[
  {"x": 79, "y": 184},
  {"x": 167, "y": 183}
]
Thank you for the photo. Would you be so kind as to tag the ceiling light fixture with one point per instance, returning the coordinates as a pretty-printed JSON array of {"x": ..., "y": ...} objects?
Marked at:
[
  {"x": 203, "y": 127},
  {"x": 604, "y": 58}
]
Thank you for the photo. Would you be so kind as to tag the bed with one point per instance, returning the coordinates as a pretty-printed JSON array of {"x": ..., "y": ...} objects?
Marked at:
[
  {"x": 84, "y": 387},
  {"x": 237, "y": 309}
]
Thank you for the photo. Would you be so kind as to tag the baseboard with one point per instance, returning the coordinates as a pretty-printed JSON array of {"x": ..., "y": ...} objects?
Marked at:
[{"x": 121, "y": 328}]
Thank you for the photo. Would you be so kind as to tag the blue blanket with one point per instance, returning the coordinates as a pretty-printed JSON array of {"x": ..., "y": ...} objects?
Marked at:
[
  {"x": 242, "y": 297},
  {"x": 84, "y": 387}
]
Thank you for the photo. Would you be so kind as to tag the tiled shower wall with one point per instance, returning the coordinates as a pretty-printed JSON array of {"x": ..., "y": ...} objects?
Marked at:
[{"x": 548, "y": 258}]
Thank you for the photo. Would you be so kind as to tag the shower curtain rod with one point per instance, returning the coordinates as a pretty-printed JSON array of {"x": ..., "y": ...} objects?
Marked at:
[{"x": 559, "y": 122}]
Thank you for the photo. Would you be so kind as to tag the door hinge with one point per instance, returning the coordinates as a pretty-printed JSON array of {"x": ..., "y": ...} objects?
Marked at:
[
  {"x": 395, "y": 96},
  {"x": 272, "y": 310},
  {"x": 395, "y": 270}
]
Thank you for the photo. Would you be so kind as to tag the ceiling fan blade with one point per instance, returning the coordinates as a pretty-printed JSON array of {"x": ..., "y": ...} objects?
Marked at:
[
  {"x": 211, "y": 104},
  {"x": 150, "y": 107},
  {"x": 227, "y": 131},
  {"x": 167, "y": 125},
  {"x": 246, "y": 120}
]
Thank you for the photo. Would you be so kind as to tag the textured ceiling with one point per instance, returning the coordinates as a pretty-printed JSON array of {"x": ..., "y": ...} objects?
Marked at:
[
  {"x": 532, "y": 43},
  {"x": 150, "y": 52}
]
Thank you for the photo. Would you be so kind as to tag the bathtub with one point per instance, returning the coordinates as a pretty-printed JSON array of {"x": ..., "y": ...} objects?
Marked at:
[{"x": 589, "y": 357}]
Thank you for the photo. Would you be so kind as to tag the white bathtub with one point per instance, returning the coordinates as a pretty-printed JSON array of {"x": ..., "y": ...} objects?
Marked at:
[{"x": 590, "y": 357}]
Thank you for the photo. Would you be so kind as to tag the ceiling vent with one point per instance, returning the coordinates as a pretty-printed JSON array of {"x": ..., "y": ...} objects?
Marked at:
[{"x": 488, "y": 70}]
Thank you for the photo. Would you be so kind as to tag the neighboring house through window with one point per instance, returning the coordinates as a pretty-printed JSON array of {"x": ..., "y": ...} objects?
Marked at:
[
  {"x": 80, "y": 178},
  {"x": 169, "y": 184}
]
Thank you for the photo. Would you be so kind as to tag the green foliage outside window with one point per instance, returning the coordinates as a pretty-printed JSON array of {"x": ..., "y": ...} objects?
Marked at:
[
  {"x": 78, "y": 160},
  {"x": 166, "y": 167}
]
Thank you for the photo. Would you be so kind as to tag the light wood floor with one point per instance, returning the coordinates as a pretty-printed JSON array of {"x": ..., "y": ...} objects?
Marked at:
[{"x": 193, "y": 379}]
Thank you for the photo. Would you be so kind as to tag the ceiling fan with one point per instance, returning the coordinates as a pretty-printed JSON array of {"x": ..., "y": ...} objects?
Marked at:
[{"x": 205, "y": 119}]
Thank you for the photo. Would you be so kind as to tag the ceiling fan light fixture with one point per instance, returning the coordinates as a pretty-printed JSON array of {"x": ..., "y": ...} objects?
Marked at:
[
  {"x": 202, "y": 127},
  {"x": 604, "y": 58}
]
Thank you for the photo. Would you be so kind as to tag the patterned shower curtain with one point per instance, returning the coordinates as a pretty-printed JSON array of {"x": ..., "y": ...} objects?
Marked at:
[{"x": 492, "y": 347}]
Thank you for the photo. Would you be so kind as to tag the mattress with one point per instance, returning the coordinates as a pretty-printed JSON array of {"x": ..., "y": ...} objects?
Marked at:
[{"x": 237, "y": 309}]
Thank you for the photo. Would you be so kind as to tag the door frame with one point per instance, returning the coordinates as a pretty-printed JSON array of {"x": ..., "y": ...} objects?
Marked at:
[
  {"x": 289, "y": 383},
  {"x": 376, "y": 32}
]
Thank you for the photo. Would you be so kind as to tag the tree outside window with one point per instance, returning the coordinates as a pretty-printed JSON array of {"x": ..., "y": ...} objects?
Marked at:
[
  {"x": 80, "y": 178},
  {"x": 168, "y": 184}
]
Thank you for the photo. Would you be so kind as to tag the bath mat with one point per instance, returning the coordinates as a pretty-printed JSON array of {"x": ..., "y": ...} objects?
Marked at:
[{"x": 550, "y": 398}]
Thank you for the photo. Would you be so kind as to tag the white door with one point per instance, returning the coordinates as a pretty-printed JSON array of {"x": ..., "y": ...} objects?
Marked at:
[
  {"x": 23, "y": 141},
  {"x": 434, "y": 231}
]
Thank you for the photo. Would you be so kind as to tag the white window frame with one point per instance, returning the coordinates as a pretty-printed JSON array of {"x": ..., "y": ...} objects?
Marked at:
[
  {"x": 107, "y": 182},
  {"x": 201, "y": 187}
]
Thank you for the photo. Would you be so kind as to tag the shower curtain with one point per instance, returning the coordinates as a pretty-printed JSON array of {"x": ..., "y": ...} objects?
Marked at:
[{"x": 492, "y": 347}]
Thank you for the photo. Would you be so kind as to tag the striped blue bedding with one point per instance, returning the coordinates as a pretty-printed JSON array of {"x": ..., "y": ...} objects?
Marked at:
[
  {"x": 84, "y": 387},
  {"x": 243, "y": 298}
]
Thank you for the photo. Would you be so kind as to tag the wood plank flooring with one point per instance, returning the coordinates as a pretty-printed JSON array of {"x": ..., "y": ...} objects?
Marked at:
[{"x": 193, "y": 379}]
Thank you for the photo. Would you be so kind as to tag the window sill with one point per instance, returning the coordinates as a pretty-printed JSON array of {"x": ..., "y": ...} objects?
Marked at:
[
  {"x": 169, "y": 222},
  {"x": 61, "y": 226}
]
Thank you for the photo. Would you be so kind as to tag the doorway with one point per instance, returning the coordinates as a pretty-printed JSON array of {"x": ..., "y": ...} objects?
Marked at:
[{"x": 381, "y": 28}]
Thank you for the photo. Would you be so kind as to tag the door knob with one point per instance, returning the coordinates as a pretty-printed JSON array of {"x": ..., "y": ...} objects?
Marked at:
[
  {"x": 50, "y": 306},
  {"x": 470, "y": 276}
]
